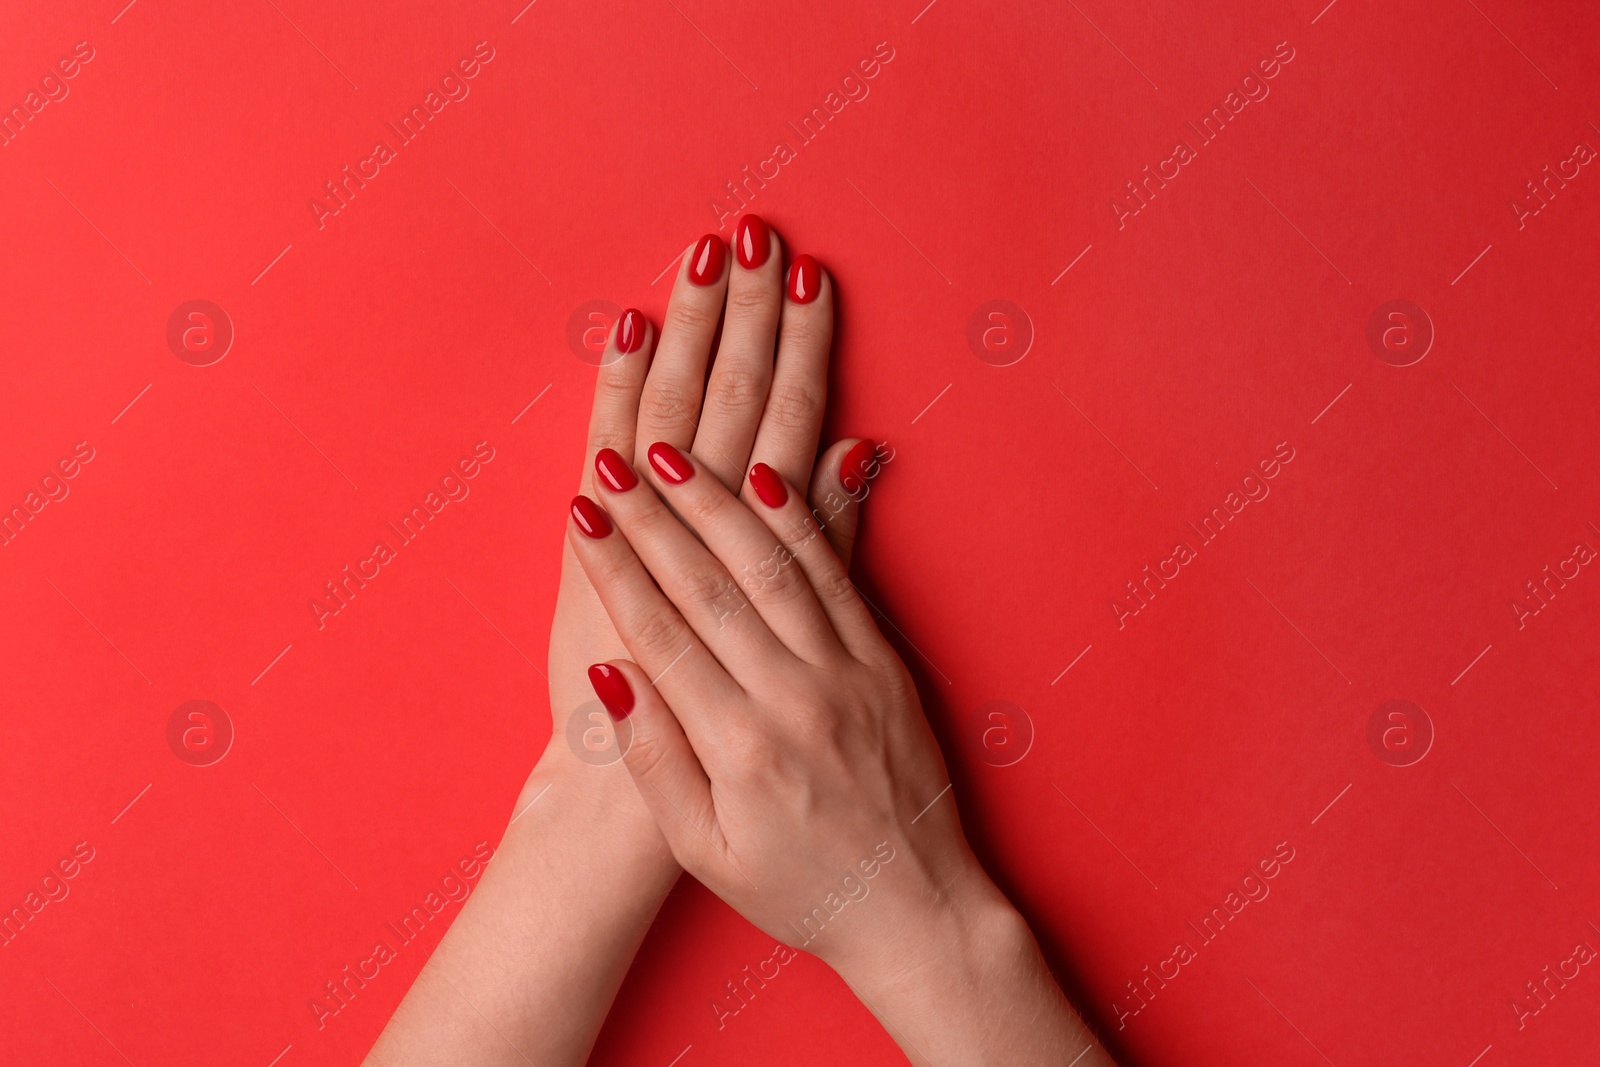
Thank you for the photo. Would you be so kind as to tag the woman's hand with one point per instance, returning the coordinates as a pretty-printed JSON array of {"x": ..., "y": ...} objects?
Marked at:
[{"x": 779, "y": 742}]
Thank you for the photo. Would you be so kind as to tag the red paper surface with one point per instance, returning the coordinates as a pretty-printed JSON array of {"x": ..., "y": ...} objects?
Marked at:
[{"x": 1148, "y": 361}]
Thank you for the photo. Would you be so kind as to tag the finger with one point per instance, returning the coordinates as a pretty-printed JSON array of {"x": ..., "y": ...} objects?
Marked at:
[
  {"x": 616, "y": 389},
  {"x": 657, "y": 753},
  {"x": 745, "y": 548},
  {"x": 792, "y": 420},
  {"x": 669, "y": 409},
  {"x": 787, "y": 515},
  {"x": 655, "y": 635},
  {"x": 842, "y": 481},
  {"x": 695, "y": 581},
  {"x": 740, "y": 375}
]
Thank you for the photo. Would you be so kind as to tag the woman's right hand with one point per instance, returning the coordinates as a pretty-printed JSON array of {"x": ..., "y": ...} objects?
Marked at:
[{"x": 780, "y": 744}]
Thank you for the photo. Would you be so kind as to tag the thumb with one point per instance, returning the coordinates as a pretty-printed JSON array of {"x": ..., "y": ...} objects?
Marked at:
[
  {"x": 659, "y": 757},
  {"x": 841, "y": 481}
]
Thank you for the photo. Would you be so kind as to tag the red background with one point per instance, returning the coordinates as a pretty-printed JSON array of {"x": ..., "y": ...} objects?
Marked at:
[{"x": 425, "y": 316}]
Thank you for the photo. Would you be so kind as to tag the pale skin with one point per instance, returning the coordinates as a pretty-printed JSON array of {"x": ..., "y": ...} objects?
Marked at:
[{"x": 782, "y": 752}]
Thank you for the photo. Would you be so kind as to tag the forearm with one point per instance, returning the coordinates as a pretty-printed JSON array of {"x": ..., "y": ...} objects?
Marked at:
[
  {"x": 970, "y": 987},
  {"x": 528, "y": 970}
]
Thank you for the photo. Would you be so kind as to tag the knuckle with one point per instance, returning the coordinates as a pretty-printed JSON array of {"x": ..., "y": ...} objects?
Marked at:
[
  {"x": 616, "y": 440},
  {"x": 775, "y": 580},
  {"x": 693, "y": 317},
  {"x": 753, "y": 299},
  {"x": 793, "y": 407},
  {"x": 610, "y": 570},
  {"x": 799, "y": 532},
  {"x": 657, "y": 634},
  {"x": 739, "y": 389},
  {"x": 704, "y": 508},
  {"x": 646, "y": 752},
  {"x": 649, "y": 521},
  {"x": 807, "y": 331},
  {"x": 833, "y": 586},
  {"x": 701, "y": 586},
  {"x": 614, "y": 385},
  {"x": 667, "y": 402}
]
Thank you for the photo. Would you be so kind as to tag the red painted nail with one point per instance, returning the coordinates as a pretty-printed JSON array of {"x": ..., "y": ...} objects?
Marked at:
[
  {"x": 853, "y": 470},
  {"x": 614, "y": 471},
  {"x": 611, "y": 686},
  {"x": 630, "y": 331},
  {"x": 768, "y": 485},
  {"x": 805, "y": 279},
  {"x": 705, "y": 262},
  {"x": 590, "y": 519},
  {"x": 750, "y": 242},
  {"x": 671, "y": 464}
]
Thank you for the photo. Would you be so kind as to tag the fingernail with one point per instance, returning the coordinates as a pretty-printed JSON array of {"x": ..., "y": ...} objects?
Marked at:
[
  {"x": 750, "y": 241},
  {"x": 768, "y": 485},
  {"x": 630, "y": 331},
  {"x": 590, "y": 519},
  {"x": 705, "y": 263},
  {"x": 671, "y": 464},
  {"x": 612, "y": 688},
  {"x": 805, "y": 279},
  {"x": 853, "y": 470},
  {"x": 614, "y": 471}
]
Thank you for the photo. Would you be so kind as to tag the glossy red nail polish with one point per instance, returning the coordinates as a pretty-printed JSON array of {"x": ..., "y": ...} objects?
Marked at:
[
  {"x": 768, "y": 485},
  {"x": 590, "y": 519},
  {"x": 671, "y": 464},
  {"x": 750, "y": 241},
  {"x": 611, "y": 686},
  {"x": 630, "y": 331},
  {"x": 805, "y": 279},
  {"x": 614, "y": 471},
  {"x": 857, "y": 462},
  {"x": 705, "y": 262}
]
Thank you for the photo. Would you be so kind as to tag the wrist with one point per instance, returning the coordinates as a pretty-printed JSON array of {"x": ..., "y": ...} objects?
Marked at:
[
  {"x": 604, "y": 801},
  {"x": 961, "y": 939},
  {"x": 965, "y": 983}
]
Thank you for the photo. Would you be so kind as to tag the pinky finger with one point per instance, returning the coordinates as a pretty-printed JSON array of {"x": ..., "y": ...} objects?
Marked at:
[
  {"x": 841, "y": 481},
  {"x": 658, "y": 755}
]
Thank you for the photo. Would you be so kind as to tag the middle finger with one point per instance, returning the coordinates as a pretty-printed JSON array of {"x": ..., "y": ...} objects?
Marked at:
[{"x": 741, "y": 375}]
